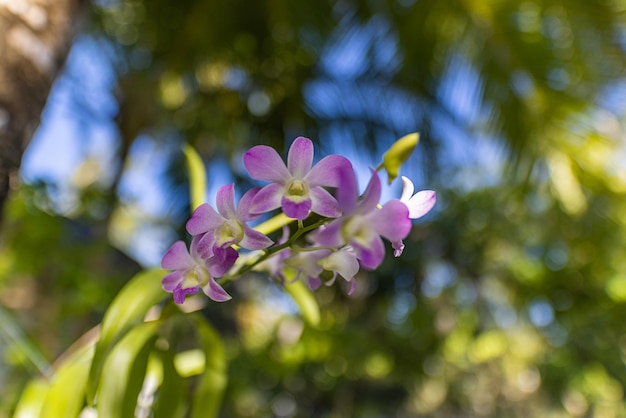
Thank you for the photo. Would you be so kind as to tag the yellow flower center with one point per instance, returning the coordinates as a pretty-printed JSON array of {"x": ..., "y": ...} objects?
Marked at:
[
  {"x": 358, "y": 230},
  {"x": 297, "y": 191},
  {"x": 195, "y": 277},
  {"x": 230, "y": 231}
]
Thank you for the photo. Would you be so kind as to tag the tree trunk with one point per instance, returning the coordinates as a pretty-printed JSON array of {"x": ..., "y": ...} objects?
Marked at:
[{"x": 35, "y": 37}]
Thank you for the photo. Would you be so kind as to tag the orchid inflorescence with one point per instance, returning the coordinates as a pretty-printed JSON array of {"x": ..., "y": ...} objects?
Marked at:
[{"x": 344, "y": 236}]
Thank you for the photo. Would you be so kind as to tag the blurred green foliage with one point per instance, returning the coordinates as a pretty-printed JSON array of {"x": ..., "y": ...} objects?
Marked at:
[{"x": 508, "y": 302}]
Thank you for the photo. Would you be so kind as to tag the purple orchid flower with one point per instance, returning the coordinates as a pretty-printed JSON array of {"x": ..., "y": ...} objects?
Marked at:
[
  {"x": 191, "y": 273},
  {"x": 362, "y": 224},
  {"x": 310, "y": 264},
  {"x": 296, "y": 187},
  {"x": 419, "y": 204},
  {"x": 220, "y": 230}
]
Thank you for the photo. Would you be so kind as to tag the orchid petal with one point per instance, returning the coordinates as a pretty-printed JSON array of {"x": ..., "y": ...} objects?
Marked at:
[
  {"x": 323, "y": 203},
  {"x": 352, "y": 287},
  {"x": 204, "y": 219},
  {"x": 180, "y": 293},
  {"x": 420, "y": 204},
  {"x": 205, "y": 244},
  {"x": 307, "y": 262},
  {"x": 171, "y": 280},
  {"x": 296, "y": 210},
  {"x": 371, "y": 196},
  {"x": 328, "y": 171},
  {"x": 329, "y": 235},
  {"x": 264, "y": 163},
  {"x": 225, "y": 201},
  {"x": 268, "y": 198},
  {"x": 177, "y": 257},
  {"x": 331, "y": 281},
  {"x": 343, "y": 262},
  {"x": 314, "y": 283},
  {"x": 347, "y": 192},
  {"x": 300, "y": 157},
  {"x": 254, "y": 240},
  {"x": 407, "y": 189},
  {"x": 193, "y": 247},
  {"x": 244, "y": 206},
  {"x": 391, "y": 221},
  {"x": 215, "y": 291},
  {"x": 371, "y": 256},
  {"x": 398, "y": 248},
  {"x": 222, "y": 261}
]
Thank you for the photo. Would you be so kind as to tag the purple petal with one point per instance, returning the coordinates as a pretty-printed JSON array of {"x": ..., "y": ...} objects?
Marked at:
[
  {"x": 323, "y": 203},
  {"x": 329, "y": 171},
  {"x": 204, "y": 219},
  {"x": 244, "y": 206},
  {"x": 222, "y": 261},
  {"x": 254, "y": 240},
  {"x": 371, "y": 196},
  {"x": 215, "y": 291},
  {"x": 268, "y": 198},
  {"x": 179, "y": 293},
  {"x": 177, "y": 257},
  {"x": 392, "y": 221},
  {"x": 420, "y": 204},
  {"x": 204, "y": 245},
  {"x": 398, "y": 248},
  {"x": 172, "y": 280},
  {"x": 314, "y": 283},
  {"x": 225, "y": 201},
  {"x": 347, "y": 191},
  {"x": 264, "y": 163},
  {"x": 371, "y": 256},
  {"x": 296, "y": 210},
  {"x": 329, "y": 235},
  {"x": 300, "y": 157},
  {"x": 352, "y": 287}
]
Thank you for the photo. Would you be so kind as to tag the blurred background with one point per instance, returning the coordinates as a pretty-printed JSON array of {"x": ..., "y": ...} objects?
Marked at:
[{"x": 510, "y": 298}]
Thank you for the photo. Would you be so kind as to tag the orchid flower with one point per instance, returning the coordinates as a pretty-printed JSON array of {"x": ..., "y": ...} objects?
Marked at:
[
  {"x": 362, "y": 224},
  {"x": 311, "y": 264},
  {"x": 343, "y": 262},
  {"x": 306, "y": 264},
  {"x": 191, "y": 273},
  {"x": 221, "y": 230},
  {"x": 419, "y": 204},
  {"x": 296, "y": 187}
]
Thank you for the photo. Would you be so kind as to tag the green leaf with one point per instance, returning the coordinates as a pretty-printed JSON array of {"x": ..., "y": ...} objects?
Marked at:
[
  {"x": 301, "y": 294},
  {"x": 124, "y": 372},
  {"x": 66, "y": 395},
  {"x": 208, "y": 397},
  {"x": 190, "y": 362},
  {"x": 197, "y": 176},
  {"x": 397, "y": 154},
  {"x": 170, "y": 402},
  {"x": 127, "y": 309},
  {"x": 32, "y": 399}
]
